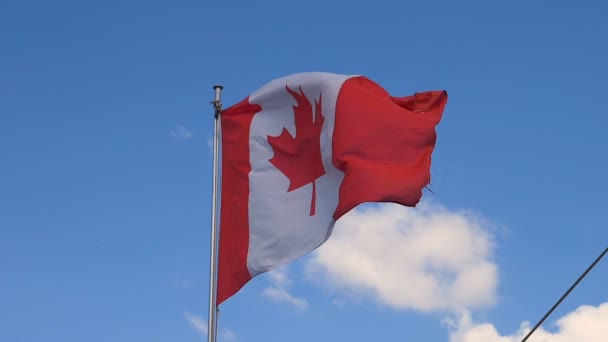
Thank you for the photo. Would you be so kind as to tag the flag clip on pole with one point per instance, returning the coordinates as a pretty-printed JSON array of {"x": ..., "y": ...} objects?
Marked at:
[{"x": 213, "y": 310}]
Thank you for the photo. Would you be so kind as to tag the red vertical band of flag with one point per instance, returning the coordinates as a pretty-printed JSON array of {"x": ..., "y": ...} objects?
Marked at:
[
  {"x": 383, "y": 144},
  {"x": 234, "y": 218}
]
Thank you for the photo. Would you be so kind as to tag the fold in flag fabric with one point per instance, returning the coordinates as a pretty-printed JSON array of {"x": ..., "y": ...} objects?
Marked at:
[{"x": 302, "y": 151}]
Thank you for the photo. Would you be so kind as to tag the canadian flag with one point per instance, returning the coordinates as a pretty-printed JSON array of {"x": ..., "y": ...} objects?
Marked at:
[{"x": 305, "y": 149}]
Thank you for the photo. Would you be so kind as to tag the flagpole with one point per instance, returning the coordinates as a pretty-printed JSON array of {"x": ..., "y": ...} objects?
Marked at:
[{"x": 213, "y": 310}]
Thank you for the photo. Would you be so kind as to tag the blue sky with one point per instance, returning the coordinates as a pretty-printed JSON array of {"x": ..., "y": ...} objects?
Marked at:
[{"x": 106, "y": 165}]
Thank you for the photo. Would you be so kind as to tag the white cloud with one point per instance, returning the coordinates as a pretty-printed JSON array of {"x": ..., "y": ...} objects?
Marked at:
[
  {"x": 197, "y": 323},
  {"x": 180, "y": 133},
  {"x": 430, "y": 258},
  {"x": 425, "y": 258},
  {"x": 228, "y": 335},
  {"x": 585, "y": 324},
  {"x": 200, "y": 325},
  {"x": 279, "y": 277},
  {"x": 281, "y": 295},
  {"x": 278, "y": 290}
]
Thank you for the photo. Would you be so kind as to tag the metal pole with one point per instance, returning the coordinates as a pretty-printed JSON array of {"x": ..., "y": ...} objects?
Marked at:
[{"x": 213, "y": 311}]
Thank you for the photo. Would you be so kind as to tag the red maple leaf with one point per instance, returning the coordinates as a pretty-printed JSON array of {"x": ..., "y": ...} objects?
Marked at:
[{"x": 299, "y": 157}]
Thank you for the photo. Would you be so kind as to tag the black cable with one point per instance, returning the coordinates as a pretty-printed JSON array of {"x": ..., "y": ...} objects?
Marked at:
[{"x": 565, "y": 294}]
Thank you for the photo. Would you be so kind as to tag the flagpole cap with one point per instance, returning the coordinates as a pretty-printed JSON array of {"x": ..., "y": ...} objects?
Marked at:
[
  {"x": 217, "y": 101},
  {"x": 218, "y": 92}
]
